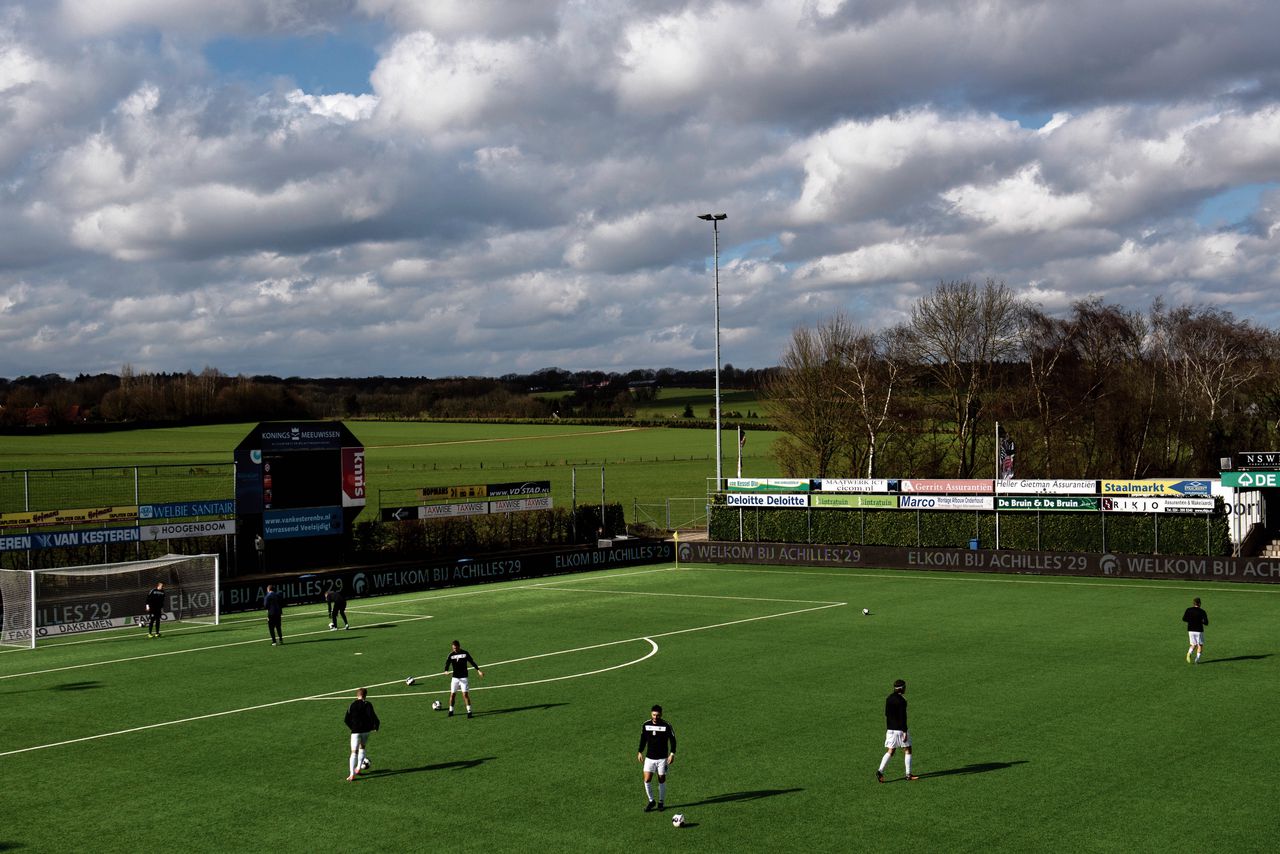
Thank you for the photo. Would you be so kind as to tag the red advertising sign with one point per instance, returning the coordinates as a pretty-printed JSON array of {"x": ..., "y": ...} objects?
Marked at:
[
  {"x": 353, "y": 483},
  {"x": 948, "y": 487}
]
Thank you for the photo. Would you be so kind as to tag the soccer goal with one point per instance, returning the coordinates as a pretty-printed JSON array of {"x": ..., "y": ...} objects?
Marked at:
[{"x": 39, "y": 604}]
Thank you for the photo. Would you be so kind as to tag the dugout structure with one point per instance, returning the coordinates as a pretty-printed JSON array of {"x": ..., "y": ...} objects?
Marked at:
[{"x": 40, "y": 604}]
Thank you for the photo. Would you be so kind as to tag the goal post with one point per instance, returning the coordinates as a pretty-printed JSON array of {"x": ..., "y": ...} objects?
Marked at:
[{"x": 42, "y": 604}]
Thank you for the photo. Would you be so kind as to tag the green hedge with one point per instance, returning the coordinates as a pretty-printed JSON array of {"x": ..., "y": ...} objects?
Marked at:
[
  {"x": 431, "y": 538},
  {"x": 1060, "y": 532}
]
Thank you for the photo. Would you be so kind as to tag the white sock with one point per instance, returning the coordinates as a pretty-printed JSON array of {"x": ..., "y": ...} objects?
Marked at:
[
  {"x": 451, "y": 708},
  {"x": 884, "y": 761},
  {"x": 908, "y": 761},
  {"x": 648, "y": 793},
  {"x": 360, "y": 758},
  {"x": 662, "y": 791},
  {"x": 468, "y": 708},
  {"x": 1197, "y": 656},
  {"x": 351, "y": 764}
]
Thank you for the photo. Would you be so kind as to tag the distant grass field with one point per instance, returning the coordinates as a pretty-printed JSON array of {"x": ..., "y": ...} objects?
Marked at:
[
  {"x": 670, "y": 403},
  {"x": 1047, "y": 713},
  {"x": 642, "y": 465}
]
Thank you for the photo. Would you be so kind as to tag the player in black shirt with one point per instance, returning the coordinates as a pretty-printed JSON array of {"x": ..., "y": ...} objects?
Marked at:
[
  {"x": 656, "y": 752},
  {"x": 1196, "y": 619},
  {"x": 456, "y": 664},
  {"x": 361, "y": 719},
  {"x": 155, "y": 609},
  {"x": 896, "y": 735},
  {"x": 274, "y": 603},
  {"x": 337, "y": 607}
]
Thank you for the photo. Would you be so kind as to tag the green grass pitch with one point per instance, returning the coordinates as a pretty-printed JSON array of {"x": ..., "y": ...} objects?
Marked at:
[{"x": 1047, "y": 714}]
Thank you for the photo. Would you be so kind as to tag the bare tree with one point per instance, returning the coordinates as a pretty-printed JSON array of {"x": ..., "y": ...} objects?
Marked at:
[
  {"x": 805, "y": 400},
  {"x": 958, "y": 334},
  {"x": 873, "y": 366}
]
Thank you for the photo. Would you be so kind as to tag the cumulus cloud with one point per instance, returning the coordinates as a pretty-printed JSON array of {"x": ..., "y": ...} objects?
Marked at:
[{"x": 519, "y": 188}]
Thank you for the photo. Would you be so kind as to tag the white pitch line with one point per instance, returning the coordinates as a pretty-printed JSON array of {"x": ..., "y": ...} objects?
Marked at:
[
  {"x": 650, "y": 654},
  {"x": 648, "y": 638},
  {"x": 942, "y": 575},
  {"x": 686, "y": 595},
  {"x": 183, "y": 651}
]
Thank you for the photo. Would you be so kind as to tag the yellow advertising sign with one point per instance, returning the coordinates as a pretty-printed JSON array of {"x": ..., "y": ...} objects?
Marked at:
[{"x": 42, "y": 518}]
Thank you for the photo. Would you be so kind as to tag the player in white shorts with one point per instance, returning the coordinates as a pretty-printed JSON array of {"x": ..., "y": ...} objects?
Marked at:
[
  {"x": 361, "y": 719},
  {"x": 896, "y": 734},
  {"x": 1196, "y": 619},
  {"x": 657, "y": 751},
  {"x": 456, "y": 664}
]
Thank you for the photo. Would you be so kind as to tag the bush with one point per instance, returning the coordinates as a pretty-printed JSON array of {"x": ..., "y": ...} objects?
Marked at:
[{"x": 1065, "y": 532}]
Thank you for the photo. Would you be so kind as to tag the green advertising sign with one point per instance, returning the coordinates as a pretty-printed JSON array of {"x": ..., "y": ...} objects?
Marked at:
[
  {"x": 1251, "y": 479},
  {"x": 1048, "y": 502},
  {"x": 854, "y": 501}
]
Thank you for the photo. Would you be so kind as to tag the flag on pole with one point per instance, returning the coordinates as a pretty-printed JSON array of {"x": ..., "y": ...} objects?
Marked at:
[{"x": 1005, "y": 455}]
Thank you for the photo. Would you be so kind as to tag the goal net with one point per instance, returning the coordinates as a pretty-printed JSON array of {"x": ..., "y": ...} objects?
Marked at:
[{"x": 40, "y": 604}]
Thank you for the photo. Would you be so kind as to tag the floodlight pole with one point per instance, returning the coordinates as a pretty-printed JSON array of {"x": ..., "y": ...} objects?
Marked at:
[{"x": 715, "y": 219}]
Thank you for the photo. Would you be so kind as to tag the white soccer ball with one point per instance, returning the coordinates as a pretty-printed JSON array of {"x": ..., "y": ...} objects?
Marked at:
[
  {"x": 677, "y": 819},
  {"x": 435, "y": 705},
  {"x": 410, "y": 681},
  {"x": 866, "y": 611}
]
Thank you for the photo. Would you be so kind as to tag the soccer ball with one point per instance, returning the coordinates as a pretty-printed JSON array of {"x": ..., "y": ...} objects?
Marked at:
[
  {"x": 364, "y": 766},
  {"x": 410, "y": 681},
  {"x": 677, "y": 819},
  {"x": 866, "y": 611},
  {"x": 435, "y": 705}
]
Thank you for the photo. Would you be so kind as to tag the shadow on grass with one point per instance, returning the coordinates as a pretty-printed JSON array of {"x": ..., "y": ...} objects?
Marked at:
[
  {"x": 976, "y": 768},
  {"x": 542, "y": 706},
  {"x": 460, "y": 765},
  {"x": 753, "y": 795},
  {"x": 76, "y": 686},
  {"x": 1235, "y": 658},
  {"x": 11, "y": 846}
]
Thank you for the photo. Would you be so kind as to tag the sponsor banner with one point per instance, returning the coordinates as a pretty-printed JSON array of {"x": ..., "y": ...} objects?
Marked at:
[
  {"x": 1049, "y": 502},
  {"x": 936, "y": 487},
  {"x": 828, "y": 484},
  {"x": 186, "y": 510},
  {"x": 54, "y": 630},
  {"x": 303, "y": 522},
  {"x": 449, "y": 511},
  {"x": 487, "y": 490},
  {"x": 353, "y": 488},
  {"x": 854, "y": 501},
  {"x": 1158, "y": 505},
  {"x": 1157, "y": 487},
  {"x": 766, "y": 500},
  {"x": 246, "y": 595},
  {"x": 1048, "y": 487},
  {"x": 309, "y": 436},
  {"x": 1251, "y": 479},
  {"x": 178, "y": 530},
  {"x": 1185, "y": 567},
  {"x": 520, "y": 505},
  {"x": 84, "y": 516},
  {"x": 514, "y": 490},
  {"x": 434, "y": 511},
  {"x": 1269, "y": 460},
  {"x": 68, "y": 539},
  {"x": 249, "y": 496},
  {"x": 769, "y": 484},
  {"x": 946, "y": 502}
]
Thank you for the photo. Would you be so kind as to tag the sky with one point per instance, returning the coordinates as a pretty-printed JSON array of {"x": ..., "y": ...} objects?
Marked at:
[{"x": 329, "y": 188}]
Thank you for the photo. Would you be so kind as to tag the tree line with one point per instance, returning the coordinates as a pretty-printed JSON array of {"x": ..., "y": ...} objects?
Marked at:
[
  {"x": 1101, "y": 391},
  {"x": 211, "y": 396}
]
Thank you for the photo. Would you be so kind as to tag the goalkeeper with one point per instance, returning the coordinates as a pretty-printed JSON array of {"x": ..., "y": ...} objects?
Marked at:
[{"x": 155, "y": 608}]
